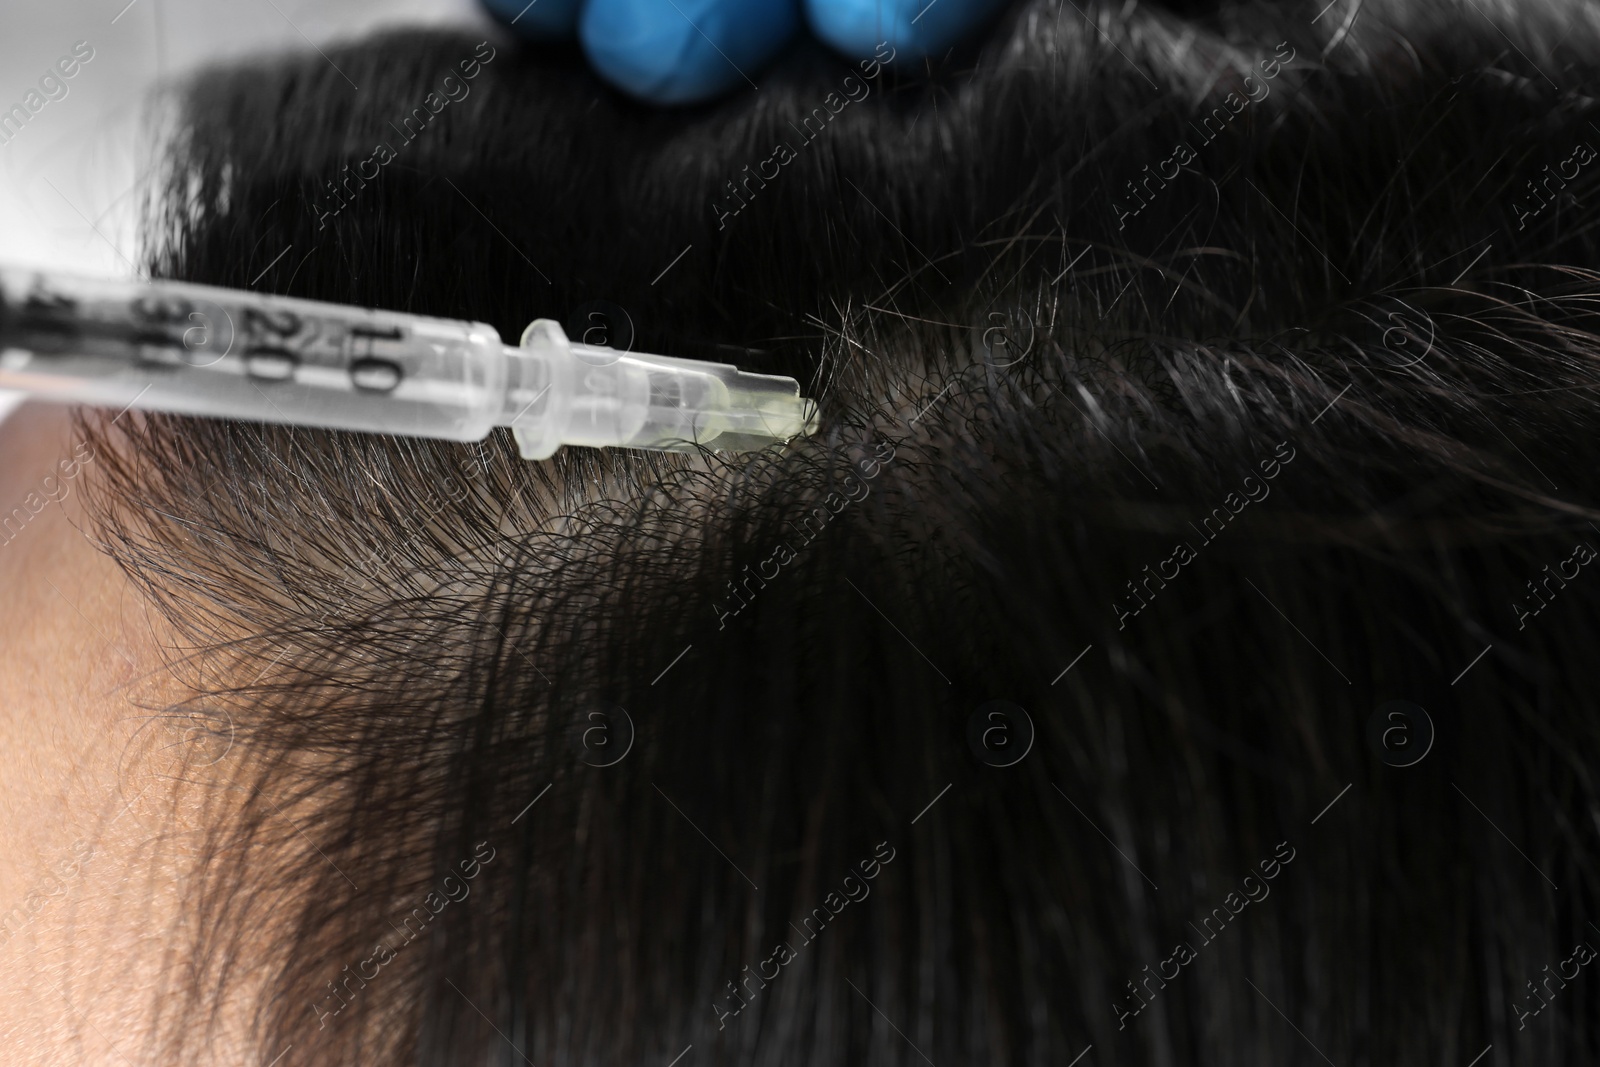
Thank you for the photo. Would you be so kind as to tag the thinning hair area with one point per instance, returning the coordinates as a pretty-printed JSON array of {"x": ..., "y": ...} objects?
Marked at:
[{"x": 1174, "y": 647}]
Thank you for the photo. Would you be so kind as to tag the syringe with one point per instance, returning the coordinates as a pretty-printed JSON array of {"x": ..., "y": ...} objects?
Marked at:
[{"x": 203, "y": 350}]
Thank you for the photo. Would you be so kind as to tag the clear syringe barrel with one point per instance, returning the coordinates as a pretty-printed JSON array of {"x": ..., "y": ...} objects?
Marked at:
[{"x": 203, "y": 350}]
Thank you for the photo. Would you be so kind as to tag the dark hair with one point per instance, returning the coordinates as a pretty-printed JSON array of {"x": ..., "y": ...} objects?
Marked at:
[{"x": 1195, "y": 388}]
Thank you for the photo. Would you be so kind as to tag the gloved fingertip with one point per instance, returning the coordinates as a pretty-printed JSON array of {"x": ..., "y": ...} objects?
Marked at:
[
  {"x": 912, "y": 29},
  {"x": 537, "y": 20},
  {"x": 684, "y": 51}
]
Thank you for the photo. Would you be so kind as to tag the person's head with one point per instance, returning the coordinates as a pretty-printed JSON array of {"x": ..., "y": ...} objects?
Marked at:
[{"x": 1194, "y": 389}]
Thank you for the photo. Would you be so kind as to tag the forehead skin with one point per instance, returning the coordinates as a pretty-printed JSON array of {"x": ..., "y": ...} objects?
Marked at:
[{"x": 92, "y": 824}]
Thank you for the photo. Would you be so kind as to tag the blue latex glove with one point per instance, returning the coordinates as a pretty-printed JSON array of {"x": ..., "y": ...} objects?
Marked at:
[{"x": 684, "y": 51}]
